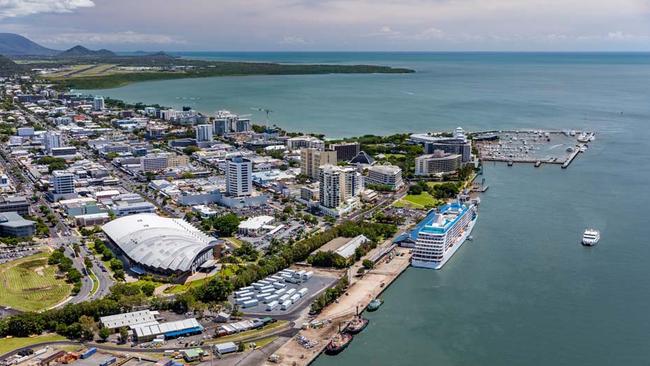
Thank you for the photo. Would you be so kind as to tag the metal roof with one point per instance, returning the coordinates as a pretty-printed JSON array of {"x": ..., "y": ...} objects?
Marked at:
[
  {"x": 144, "y": 317},
  {"x": 159, "y": 242},
  {"x": 165, "y": 328}
]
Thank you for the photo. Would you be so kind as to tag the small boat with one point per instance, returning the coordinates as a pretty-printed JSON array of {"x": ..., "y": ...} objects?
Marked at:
[
  {"x": 375, "y": 304},
  {"x": 470, "y": 238},
  {"x": 538, "y": 164},
  {"x": 510, "y": 162},
  {"x": 590, "y": 237},
  {"x": 338, "y": 343}
]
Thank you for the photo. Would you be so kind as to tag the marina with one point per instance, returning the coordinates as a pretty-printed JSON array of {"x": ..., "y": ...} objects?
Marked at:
[{"x": 532, "y": 146}]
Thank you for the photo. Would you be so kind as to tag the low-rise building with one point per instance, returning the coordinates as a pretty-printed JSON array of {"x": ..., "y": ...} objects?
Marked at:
[
  {"x": 255, "y": 226},
  {"x": 14, "y": 225},
  {"x": 385, "y": 175},
  {"x": 437, "y": 163}
]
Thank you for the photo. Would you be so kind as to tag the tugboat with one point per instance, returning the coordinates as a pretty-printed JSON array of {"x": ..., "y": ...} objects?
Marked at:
[
  {"x": 357, "y": 324},
  {"x": 375, "y": 304},
  {"x": 338, "y": 343}
]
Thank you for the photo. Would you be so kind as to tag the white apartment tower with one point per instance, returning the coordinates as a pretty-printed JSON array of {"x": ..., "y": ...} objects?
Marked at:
[
  {"x": 239, "y": 177},
  {"x": 337, "y": 185},
  {"x": 52, "y": 140},
  {"x": 203, "y": 133},
  {"x": 98, "y": 104}
]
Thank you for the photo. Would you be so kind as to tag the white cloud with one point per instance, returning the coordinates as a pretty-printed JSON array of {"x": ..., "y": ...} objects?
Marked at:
[
  {"x": 294, "y": 40},
  {"x": 128, "y": 37},
  {"x": 19, "y": 8}
]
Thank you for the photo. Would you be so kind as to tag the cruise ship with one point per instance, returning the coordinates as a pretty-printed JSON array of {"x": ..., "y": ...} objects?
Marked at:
[{"x": 441, "y": 234}]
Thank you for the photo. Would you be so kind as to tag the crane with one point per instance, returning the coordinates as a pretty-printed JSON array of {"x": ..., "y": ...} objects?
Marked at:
[{"x": 267, "y": 111}]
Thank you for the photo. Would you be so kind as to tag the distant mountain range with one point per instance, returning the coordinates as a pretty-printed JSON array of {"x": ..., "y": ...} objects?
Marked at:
[
  {"x": 16, "y": 45},
  {"x": 81, "y": 51},
  {"x": 13, "y": 45}
]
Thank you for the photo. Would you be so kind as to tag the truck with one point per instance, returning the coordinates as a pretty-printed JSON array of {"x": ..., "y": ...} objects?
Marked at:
[{"x": 272, "y": 305}]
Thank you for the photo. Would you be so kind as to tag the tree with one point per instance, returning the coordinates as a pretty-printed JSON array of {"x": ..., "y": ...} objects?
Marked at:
[
  {"x": 226, "y": 225},
  {"x": 104, "y": 333},
  {"x": 124, "y": 334},
  {"x": 88, "y": 263},
  {"x": 88, "y": 327},
  {"x": 148, "y": 288},
  {"x": 191, "y": 149},
  {"x": 368, "y": 264}
]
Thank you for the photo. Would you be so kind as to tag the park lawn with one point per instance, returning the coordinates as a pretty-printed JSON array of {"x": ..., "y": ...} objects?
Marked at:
[
  {"x": 30, "y": 284},
  {"x": 179, "y": 289},
  {"x": 11, "y": 343},
  {"x": 424, "y": 200},
  {"x": 234, "y": 241},
  {"x": 264, "y": 342}
]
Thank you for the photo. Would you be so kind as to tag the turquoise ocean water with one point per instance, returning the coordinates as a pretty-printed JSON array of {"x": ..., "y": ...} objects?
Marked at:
[{"x": 524, "y": 292}]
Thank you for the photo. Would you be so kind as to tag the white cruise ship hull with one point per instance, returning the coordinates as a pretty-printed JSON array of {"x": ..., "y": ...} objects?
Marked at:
[{"x": 448, "y": 254}]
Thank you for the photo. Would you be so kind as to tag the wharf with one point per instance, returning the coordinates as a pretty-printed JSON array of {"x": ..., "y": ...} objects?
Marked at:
[
  {"x": 360, "y": 293},
  {"x": 571, "y": 157}
]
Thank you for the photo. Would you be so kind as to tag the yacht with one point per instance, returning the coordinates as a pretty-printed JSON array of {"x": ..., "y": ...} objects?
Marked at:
[{"x": 590, "y": 237}]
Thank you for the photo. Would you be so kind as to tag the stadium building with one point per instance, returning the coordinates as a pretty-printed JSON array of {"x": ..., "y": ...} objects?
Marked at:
[{"x": 160, "y": 246}]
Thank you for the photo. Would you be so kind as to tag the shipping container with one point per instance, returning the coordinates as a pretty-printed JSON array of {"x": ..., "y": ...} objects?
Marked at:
[
  {"x": 89, "y": 352},
  {"x": 241, "y": 300},
  {"x": 294, "y": 298},
  {"x": 249, "y": 303},
  {"x": 272, "y": 305},
  {"x": 108, "y": 361},
  {"x": 303, "y": 291},
  {"x": 286, "y": 305},
  {"x": 270, "y": 298}
]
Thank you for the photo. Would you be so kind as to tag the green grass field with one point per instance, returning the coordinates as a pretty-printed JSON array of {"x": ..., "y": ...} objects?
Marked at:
[
  {"x": 424, "y": 201},
  {"x": 10, "y": 344},
  {"x": 30, "y": 284}
]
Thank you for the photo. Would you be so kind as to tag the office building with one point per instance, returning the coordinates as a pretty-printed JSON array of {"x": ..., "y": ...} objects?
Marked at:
[
  {"x": 437, "y": 163},
  {"x": 98, "y": 104},
  {"x": 25, "y": 131},
  {"x": 311, "y": 159},
  {"x": 203, "y": 133},
  {"x": 346, "y": 151},
  {"x": 18, "y": 204},
  {"x": 239, "y": 177},
  {"x": 12, "y": 224},
  {"x": 62, "y": 182},
  {"x": 385, "y": 175}
]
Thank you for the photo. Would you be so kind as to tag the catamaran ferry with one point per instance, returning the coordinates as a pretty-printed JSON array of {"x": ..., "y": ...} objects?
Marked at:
[{"x": 441, "y": 234}]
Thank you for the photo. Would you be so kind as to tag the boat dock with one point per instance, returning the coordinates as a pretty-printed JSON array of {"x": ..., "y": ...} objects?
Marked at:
[
  {"x": 359, "y": 294},
  {"x": 572, "y": 157}
]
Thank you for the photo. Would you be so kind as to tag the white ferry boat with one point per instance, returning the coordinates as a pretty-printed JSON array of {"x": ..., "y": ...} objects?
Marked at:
[
  {"x": 590, "y": 237},
  {"x": 441, "y": 234}
]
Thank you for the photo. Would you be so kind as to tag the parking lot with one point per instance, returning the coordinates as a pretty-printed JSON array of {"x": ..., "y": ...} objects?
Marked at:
[{"x": 314, "y": 286}]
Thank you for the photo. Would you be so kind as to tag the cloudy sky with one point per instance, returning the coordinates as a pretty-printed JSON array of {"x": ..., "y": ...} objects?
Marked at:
[{"x": 362, "y": 25}]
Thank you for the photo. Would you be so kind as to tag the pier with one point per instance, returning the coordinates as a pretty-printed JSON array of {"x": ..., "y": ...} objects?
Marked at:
[
  {"x": 572, "y": 157},
  {"x": 359, "y": 294}
]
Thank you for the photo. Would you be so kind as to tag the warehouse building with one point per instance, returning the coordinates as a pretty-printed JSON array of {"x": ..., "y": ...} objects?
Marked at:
[
  {"x": 132, "y": 320},
  {"x": 168, "y": 330},
  {"x": 159, "y": 245}
]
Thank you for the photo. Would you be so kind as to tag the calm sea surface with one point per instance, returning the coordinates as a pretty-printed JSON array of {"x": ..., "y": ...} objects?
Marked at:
[{"x": 524, "y": 292}]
